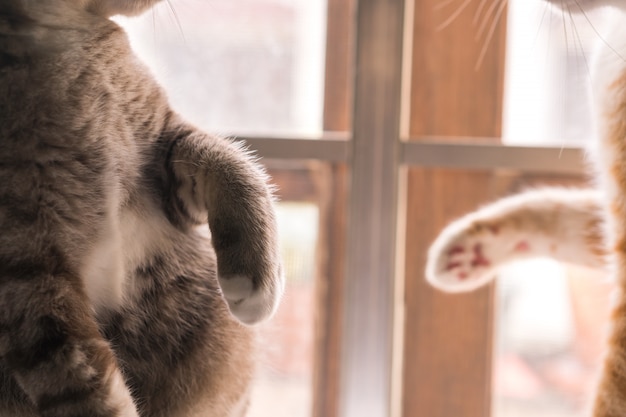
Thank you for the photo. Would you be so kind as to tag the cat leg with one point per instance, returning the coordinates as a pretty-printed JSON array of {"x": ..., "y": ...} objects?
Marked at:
[
  {"x": 608, "y": 87},
  {"x": 563, "y": 224},
  {"x": 217, "y": 179},
  {"x": 51, "y": 346}
]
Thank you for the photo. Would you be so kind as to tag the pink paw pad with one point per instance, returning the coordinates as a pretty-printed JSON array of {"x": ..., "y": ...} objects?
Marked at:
[
  {"x": 494, "y": 229},
  {"x": 453, "y": 265},
  {"x": 522, "y": 246},
  {"x": 456, "y": 250},
  {"x": 479, "y": 257}
]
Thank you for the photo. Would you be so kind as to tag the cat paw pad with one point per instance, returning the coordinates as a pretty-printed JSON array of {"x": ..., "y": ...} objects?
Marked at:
[
  {"x": 463, "y": 258},
  {"x": 249, "y": 304}
]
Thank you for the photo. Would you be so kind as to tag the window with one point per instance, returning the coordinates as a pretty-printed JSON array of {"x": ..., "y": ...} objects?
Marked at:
[
  {"x": 259, "y": 70},
  {"x": 380, "y": 121},
  {"x": 549, "y": 330}
]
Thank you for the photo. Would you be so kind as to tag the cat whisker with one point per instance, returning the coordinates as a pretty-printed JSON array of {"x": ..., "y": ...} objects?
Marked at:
[
  {"x": 620, "y": 56},
  {"x": 489, "y": 36},
  {"x": 543, "y": 16},
  {"x": 488, "y": 14},
  {"x": 442, "y": 4},
  {"x": 579, "y": 48},
  {"x": 577, "y": 39},
  {"x": 549, "y": 34},
  {"x": 564, "y": 87},
  {"x": 453, "y": 16},
  {"x": 175, "y": 14},
  {"x": 154, "y": 31},
  {"x": 567, "y": 47},
  {"x": 479, "y": 10}
]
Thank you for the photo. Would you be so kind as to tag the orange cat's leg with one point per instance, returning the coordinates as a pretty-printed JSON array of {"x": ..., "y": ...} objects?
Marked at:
[
  {"x": 610, "y": 399},
  {"x": 562, "y": 224}
]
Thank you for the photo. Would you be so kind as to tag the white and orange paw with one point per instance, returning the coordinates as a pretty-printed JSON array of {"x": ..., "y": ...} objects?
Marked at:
[{"x": 467, "y": 254}]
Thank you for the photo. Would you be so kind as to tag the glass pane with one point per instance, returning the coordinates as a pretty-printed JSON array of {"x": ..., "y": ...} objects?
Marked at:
[
  {"x": 447, "y": 337},
  {"x": 238, "y": 66},
  {"x": 550, "y": 335},
  {"x": 550, "y": 320},
  {"x": 457, "y": 71},
  {"x": 550, "y": 332},
  {"x": 298, "y": 346},
  {"x": 284, "y": 385},
  {"x": 546, "y": 100}
]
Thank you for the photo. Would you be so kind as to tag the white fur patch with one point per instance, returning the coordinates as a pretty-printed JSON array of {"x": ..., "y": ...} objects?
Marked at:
[
  {"x": 250, "y": 306},
  {"x": 143, "y": 234},
  {"x": 103, "y": 270},
  {"x": 119, "y": 397},
  {"x": 128, "y": 241}
]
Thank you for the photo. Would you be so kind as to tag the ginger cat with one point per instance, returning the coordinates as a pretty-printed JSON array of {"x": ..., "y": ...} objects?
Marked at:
[
  {"x": 112, "y": 302},
  {"x": 584, "y": 227}
]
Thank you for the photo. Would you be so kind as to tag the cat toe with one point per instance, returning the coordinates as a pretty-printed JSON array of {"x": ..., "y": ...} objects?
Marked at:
[
  {"x": 248, "y": 304},
  {"x": 458, "y": 268},
  {"x": 459, "y": 260}
]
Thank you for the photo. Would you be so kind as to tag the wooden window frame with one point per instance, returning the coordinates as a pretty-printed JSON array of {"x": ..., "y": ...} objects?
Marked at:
[{"x": 412, "y": 152}]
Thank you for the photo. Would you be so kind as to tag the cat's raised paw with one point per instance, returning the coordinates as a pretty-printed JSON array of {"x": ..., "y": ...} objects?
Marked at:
[
  {"x": 248, "y": 304},
  {"x": 465, "y": 256}
]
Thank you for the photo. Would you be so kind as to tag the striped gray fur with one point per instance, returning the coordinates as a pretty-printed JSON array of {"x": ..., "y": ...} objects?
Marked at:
[{"x": 114, "y": 300}]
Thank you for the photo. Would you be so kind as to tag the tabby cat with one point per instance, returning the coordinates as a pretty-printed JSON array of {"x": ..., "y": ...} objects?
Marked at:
[
  {"x": 578, "y": 226},
  {"x": 113, "y": 303}
]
